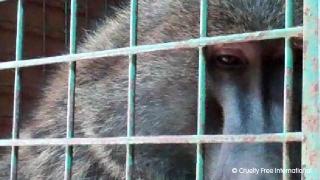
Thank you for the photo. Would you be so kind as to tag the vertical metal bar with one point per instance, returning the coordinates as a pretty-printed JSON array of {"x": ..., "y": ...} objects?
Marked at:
[
  {"x": 44, "y": 32},
  {"x": 288, "y": 86},
  {"x": 201, "y": 90},
  {"x": 66, "y": 23},
  {"x": 131, "y": 88},
  {"x": 71, "y": 89},
  {"x": 86, "y": 11},
  {"x": 44, "y": 28},
  {"x": 310, "y": 93},
  {"x": 17, "y": 90},
  {"x": 105, "y": 6}
]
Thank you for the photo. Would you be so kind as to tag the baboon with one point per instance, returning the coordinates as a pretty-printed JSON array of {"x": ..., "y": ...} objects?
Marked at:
[{"x": 244, "y": 96}]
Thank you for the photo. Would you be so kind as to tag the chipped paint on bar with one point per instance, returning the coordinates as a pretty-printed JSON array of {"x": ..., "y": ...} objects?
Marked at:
[
  {"x": 172, "y": 139},
  {"x": 310, "y": 92},
  {"x": 288, "y": 87}
]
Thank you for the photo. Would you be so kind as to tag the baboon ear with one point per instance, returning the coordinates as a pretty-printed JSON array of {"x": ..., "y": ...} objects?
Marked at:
[{"x": 297, "y": 43}]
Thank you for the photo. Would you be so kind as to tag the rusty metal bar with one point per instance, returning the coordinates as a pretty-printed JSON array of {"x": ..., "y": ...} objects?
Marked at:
[
  {"x": 131, "y": 89},
  {"x": 192, "y": 43},
  {"x": 288, "y": 87},
  {"x": 310, "y": 91},
  {"x": 71, "y": 90},
  {"x": 17, "y": 90},
  {"x": 172, "y": 139}
]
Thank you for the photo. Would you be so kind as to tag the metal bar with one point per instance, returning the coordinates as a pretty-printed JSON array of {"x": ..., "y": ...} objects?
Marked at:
[
  {"x": 66, "y": 23},
  {"x": 44, "y": 28},
  {"x": 105, "y": 6},
  {"x": 86, "y": 11},
  {"x": 44, "y": 32},
  {"x": 171, "y": 139},
  {"x": 288, "y": 87},
  {"x": 71, "y": 90},
  {"x": 192, "y": 43},
  {"x": 131, "y": 88},
  {"x": 17, "y": 90},
  {"x": 201, "y": 118},
  {"x": 310, "y": 92}
]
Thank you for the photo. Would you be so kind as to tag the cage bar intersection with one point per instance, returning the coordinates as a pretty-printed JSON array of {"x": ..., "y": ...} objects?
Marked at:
[{"x": 309, "y": 137}]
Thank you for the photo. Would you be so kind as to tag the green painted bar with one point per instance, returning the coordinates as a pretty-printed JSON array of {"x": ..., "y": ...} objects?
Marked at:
[
  {"x": 201, "y": 112},
  {"x": 192, "y": 43},
  {"x": 71, "y": 90},
  {"x": 66, "y": 24},
  {"x": 288, "y": 87},
  {"x": 131, "y": 88},
  {"x": 73, "y": 27},
  {"x": 201, "y": 118},
  {"x": 17, "y": 90},
  {"x": 310, "y": 94},
  {"x": 203, "y": 18}
]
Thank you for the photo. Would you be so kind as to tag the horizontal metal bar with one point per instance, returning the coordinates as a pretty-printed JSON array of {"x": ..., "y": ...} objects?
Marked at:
[
  {"x": 192, "y": 43},
  {"x": 168, "y": 139}
]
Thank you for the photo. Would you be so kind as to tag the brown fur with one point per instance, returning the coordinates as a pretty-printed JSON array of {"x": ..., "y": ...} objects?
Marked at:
[{"x": 166, "y": 91}]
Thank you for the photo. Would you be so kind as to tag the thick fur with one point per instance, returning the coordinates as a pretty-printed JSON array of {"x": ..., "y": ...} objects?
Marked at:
[{"x": 166, "y": 92}]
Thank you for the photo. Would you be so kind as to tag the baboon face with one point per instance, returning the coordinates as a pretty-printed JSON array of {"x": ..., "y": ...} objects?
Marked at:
[{"x": 246, "y": 80}]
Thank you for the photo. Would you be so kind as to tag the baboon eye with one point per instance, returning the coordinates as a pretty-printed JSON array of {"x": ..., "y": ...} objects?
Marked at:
[{"x": 229, "y": 61}]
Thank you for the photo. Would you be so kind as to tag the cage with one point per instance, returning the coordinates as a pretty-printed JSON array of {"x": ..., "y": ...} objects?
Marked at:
[{"x": 46, "y": 35}]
